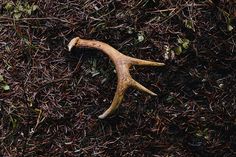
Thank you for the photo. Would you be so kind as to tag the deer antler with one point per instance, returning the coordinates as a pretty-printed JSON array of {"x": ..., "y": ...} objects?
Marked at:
[{"x": 122, "y": 65}]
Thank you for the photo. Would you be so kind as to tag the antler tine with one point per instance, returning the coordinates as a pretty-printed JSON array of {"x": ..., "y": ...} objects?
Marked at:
[
  {"x": 136, "y": 61},
  {"x": 122, "y": 65},
  {"x": 137, "y": 85},
  {"x": 120, "y": 91}
]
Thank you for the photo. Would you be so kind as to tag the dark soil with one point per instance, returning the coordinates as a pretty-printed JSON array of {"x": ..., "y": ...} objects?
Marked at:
[{"x": 55, "y": 96}]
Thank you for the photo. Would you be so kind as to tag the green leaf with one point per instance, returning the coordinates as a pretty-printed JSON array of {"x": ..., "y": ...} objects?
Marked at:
[
  {"x": 180, "y": 41},
  {"x": 185, "y": 43},
  {"x": 20, "y": 8},
  {"x": 5, "y": 87},
  {"x": 1, "y": 78},
  {"x": 9, "y": 6},
  {"x": 28, "y": 11},
  {"x": 34, "y": 7},
  {"x": 178, "y": 50},
  {"x": 27, "y": 6},
  {"x": 17, "y": 15},
  {"x": 189, "y": 24}
]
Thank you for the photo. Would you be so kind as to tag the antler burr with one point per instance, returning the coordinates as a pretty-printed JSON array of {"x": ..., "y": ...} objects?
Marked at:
[{"x": 122, "y": 65}]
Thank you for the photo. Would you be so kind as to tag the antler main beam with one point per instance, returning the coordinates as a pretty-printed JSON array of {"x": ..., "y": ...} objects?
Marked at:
[{"x": 122, "y": 65}]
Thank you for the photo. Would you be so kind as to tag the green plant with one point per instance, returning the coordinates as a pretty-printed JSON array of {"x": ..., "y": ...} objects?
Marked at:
[
  {"x": 189, "y": 24},
  {"x": 3, "y": 84},
  {"x": 183, "y": 45},
  {"x": 19, "y": 8},
  {"x": 203, "y": 133}
]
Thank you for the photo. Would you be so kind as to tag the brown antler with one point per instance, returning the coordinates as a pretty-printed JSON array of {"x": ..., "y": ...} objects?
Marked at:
[{"x": 122, "y": 65}]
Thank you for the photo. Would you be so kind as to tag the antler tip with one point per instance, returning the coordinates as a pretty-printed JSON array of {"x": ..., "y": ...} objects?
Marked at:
[
  {"x": 154, "y": 94},
  {"x": 72, "y": 43},
  {"x": 161, "y": 64},
  {"x": 102, "y": 116}
]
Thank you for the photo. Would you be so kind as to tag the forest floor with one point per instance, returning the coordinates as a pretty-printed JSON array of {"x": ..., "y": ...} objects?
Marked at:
[{"x": 50, "y": 98}]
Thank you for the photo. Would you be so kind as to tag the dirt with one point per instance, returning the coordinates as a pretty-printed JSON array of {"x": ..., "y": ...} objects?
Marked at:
[{"x": 50, "y": 98}]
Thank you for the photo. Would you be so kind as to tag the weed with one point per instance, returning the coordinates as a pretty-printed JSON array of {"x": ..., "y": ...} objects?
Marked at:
[
  {"x": 18, "y": 9},
  {"x": 3, "y": 84}
]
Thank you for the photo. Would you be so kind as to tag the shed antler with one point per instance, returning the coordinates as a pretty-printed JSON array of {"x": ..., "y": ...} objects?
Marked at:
[{"x": 122, "y": 65}]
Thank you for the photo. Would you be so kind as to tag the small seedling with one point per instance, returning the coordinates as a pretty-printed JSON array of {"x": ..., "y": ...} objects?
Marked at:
[
  {"x": 18, "y": 9},
  {"x": 178, "y": 50},
  {"x": 4, "y": 84},
  {"x": 184, "y": 42},
  {"x": 183, "y": 45},
  {"x": 189, "y": 24},
  {"x": 5, "y": 87}
]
